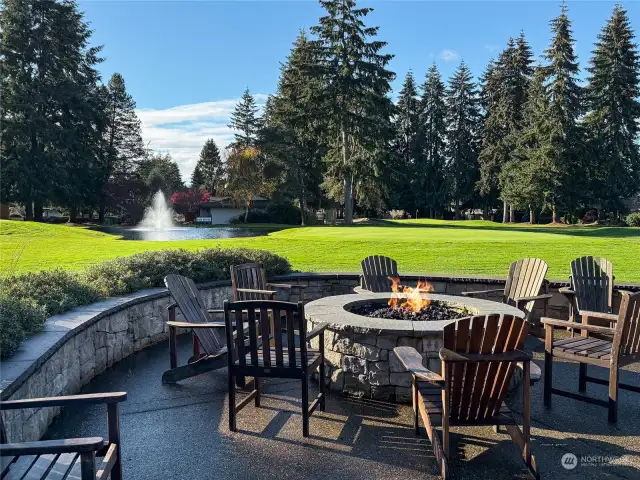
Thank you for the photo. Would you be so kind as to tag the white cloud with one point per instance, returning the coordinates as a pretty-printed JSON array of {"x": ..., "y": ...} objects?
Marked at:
[
  {"x": 182, "y": 130},
  {"x": 449, "y": 55}
]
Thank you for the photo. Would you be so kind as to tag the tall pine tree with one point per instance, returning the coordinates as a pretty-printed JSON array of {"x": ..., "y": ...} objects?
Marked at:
[
  {"x": 407, "y": 146},
  {"x": 356, "y": 82},
  {"x": 245, "y": 121},
  {"x": 614, "y": 112},
  {"x": 565, "y": 107},
  {"x": 430, "y": 174},
  {"x": 124, "y": 141},
  {"x": 463, "y": 117},
  {"x": 292, "y": 137},
  {"x": 209, "y": 170}
]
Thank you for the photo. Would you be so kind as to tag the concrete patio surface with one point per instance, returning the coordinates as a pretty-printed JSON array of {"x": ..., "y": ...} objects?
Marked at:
[{"x": 181, "y": 431}]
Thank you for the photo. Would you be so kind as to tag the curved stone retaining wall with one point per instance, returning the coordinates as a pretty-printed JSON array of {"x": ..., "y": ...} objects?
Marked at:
[{"x": 76, "y": 346}]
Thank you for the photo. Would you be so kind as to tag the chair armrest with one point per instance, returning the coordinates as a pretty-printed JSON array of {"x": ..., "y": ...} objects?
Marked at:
[
  {"x": 172, "y": 306},
  {"x": 280, "y": 285},
  {"x": 566, "y": 291},
  {"x": 64, "y": 401},
  {"x": 196, "y": 325},
  {"x": 482, "y": 292},
  {"x": 412, "y": 361},
  {"x": 253, "y": 290},
  {"x": 43, "y": 447},
  {"x": 449, "y": 356},
  {"x": 552, "y": 322},
  {"x": 316, "y": 331},
  {"x": 215, "y": 310},
  {"x": 544, "y": 296},
  {"x": 612, "y": 317}
]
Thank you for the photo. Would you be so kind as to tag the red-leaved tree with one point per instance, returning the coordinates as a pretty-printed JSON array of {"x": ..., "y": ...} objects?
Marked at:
[{"x": 187, "y": 202}]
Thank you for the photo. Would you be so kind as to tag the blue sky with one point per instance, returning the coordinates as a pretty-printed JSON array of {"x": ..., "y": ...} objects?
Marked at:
[{"x": 187, "y": 62}]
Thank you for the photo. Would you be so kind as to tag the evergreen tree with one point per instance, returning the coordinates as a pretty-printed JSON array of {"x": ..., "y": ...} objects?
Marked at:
[
  {"x": 245, "y": 121},
  {"x": 53, "y": 115},
  {"x": 356, "y": 83},
  {"x": 614, "y": 112},
  {"x": 292, "y": 137},
  {"x": 462, "y": 129},
  {"x": 431, "y": 178},
  {"x": 124, "y": 140},
  {"x": 159, "y": 172},
  {"x": 530, "y": 177},
  {"x": 565, "y": 107},
  {"x": 407, "y": 146},
  {"x": 209, "y": 170}
]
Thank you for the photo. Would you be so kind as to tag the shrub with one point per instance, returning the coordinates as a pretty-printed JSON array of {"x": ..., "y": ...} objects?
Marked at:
[
  {"x": 591, "y": 216},
  {"x": 148, "y": 269},
  {"x": 396, "y": 214},
  {"x": 633, "y": 219},
  {"x": 26, "y": 301}
]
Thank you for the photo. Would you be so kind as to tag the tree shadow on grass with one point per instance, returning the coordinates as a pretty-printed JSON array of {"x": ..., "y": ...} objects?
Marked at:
[{"x": 577, "y": 231}]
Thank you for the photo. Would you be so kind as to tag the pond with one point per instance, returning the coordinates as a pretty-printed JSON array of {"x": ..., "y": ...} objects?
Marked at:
[{"x": 184, "y": 233}]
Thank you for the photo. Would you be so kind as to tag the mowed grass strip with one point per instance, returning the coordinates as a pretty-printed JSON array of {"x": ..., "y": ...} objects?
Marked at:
[{"x": 419, "y": 246}]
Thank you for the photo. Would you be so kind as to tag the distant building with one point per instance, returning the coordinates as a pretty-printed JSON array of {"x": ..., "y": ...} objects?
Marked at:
[{"x": 220, "y": 210}]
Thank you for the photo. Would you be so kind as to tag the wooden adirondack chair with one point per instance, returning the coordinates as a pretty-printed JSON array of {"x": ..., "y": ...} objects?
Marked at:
[
  {"x": 249, "y": 283},
  {"x": 376, "y": 270},
  {"x": 206, "y": 333},
  {"x": 616, "y": 352},
  {"x": 524, "y": 285},
  {"x": 591, "y": 286},
  {"x": 72, "y": 458},
  {"x": 478, "y": 360},
  {"x": 288, "y": 357}
]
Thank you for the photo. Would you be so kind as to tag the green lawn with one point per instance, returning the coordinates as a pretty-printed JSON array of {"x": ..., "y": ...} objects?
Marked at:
[{"x": 420, "y": 246}]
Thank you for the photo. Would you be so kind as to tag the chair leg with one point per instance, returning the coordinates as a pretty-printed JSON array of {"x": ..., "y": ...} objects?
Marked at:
[
  {"x": 496, "y": 428},
  {"x": 613, "y": 394},
  {"x": 232, "y": 403},
  {"x": 582, "y": 378},
  {"x": 548, "y": 365},
  {"x": 256, "y": 382},
  {"x": 322, "y": 387},
  {"x": 305, "y": 405},
  {"x": 416, "y": 421}
]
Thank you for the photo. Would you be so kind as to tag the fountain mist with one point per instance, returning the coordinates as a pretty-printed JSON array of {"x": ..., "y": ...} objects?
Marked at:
[{"x": 159, "y": 216}]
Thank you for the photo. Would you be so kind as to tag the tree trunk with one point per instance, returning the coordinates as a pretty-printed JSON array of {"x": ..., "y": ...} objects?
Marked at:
[
  {"x": 37, "y": 210},
  {"x": 432, "y": 213},
  {"x": 90, "y": 214},
  {"x": 348, "y": 202},
  {"x": 512, "y": 214},
  {"x": 505, "y": 210},
  {"x": 532, "y": 215},
  {"x": 554, "y": 213},
  {"x": 28, "y": 208},
  {"x": 457, "y": 214},
  {"x": 301, "y": 200},
  {"x": 73, "y": 214},
  {"x": 246, "y": 213},
  {"x": 102, "y": 212},
  {"x": 485, "y": 212}
]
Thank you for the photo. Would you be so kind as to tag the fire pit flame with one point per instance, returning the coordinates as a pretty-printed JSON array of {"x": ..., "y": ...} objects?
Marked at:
[{"x": 408, "y": 298}]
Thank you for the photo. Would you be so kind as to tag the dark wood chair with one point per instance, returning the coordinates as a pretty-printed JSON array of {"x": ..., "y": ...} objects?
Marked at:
[
  {"x": 249, "y": 283},
  {"x": 207, "y": 334},
  {"x": 591, "y": 286},
  {"x": 376, "y": 270},
  {"x": 620, "y": 347},
  {"x": 478, "y": 360},
  {"x": 289, "y": 356},
  {"x": 524, "y": 286},
  {"x": 73, "y": 458}
]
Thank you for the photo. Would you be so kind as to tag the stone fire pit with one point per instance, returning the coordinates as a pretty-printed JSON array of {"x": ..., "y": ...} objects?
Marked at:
[{"x": 359, "y": 349}]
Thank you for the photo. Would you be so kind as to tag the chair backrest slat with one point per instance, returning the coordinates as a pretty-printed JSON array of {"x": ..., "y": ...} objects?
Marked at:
[
  {"x": 248, "y": 275},
  {"x": 626, "y": 340},
  {"x": 477, "y": 390},
  {"x": 187, "y": 297},
  {"x": 265, "y": 333},
  {"x": 526, "y": 278},
  {"x": 592, "y": 282},
  {"x": 376, "y": 270}
]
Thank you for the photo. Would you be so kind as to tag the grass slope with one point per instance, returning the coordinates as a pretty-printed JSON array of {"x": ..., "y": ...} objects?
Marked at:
[{"x": 420, "y": 246}]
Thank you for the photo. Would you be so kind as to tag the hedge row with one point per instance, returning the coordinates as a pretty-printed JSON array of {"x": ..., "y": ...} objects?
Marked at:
[{"x": 26, "y": 301}]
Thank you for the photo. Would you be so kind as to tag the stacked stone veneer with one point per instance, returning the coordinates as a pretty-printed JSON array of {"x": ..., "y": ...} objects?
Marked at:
[
  {"x": 78, "y": 345},
  {"x": 362, "y": 362}
]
